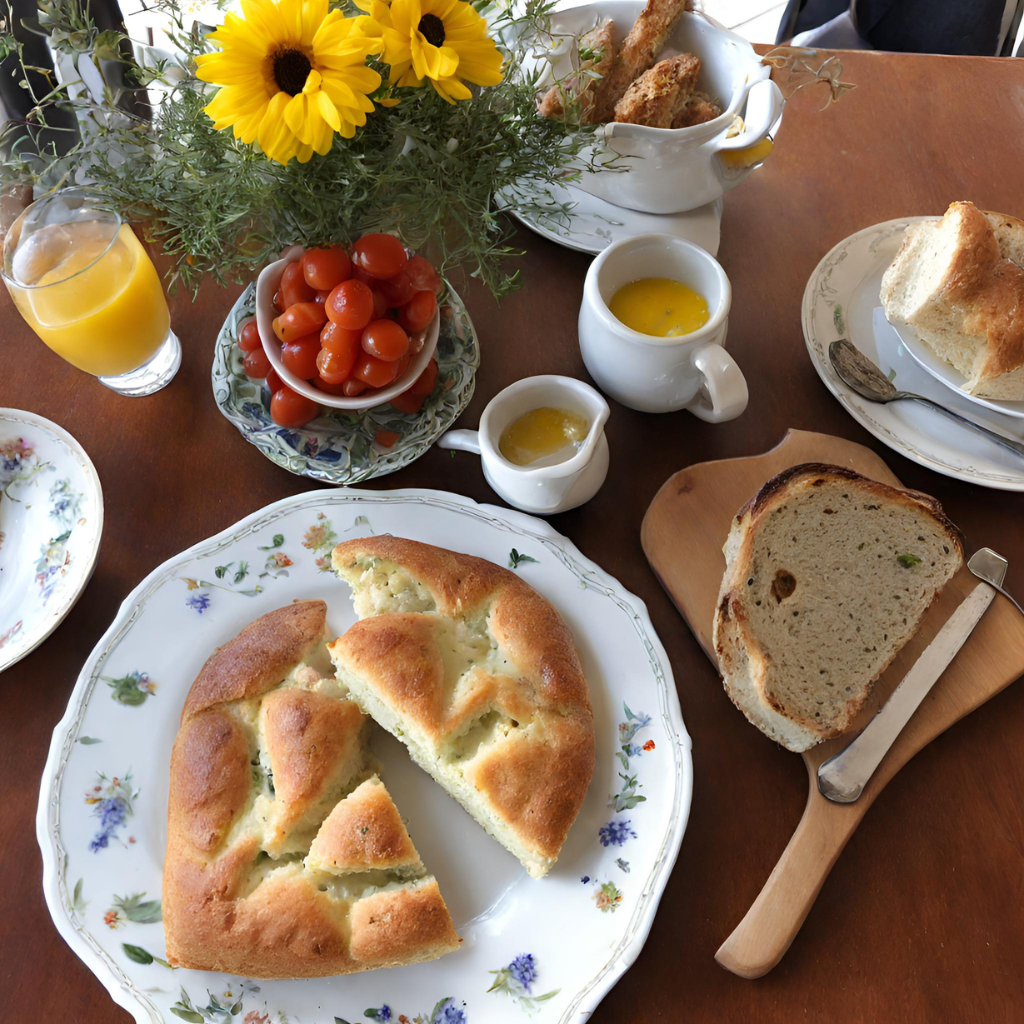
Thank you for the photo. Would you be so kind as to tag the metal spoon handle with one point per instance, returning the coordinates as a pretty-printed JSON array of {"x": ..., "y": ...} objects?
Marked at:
[{"x": 1016, "y": 447}]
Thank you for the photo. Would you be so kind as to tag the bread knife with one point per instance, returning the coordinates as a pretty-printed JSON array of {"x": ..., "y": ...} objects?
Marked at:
[{"x": 842, "y": 778}]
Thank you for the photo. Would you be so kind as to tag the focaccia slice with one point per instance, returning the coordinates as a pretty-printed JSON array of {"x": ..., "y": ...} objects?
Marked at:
[
  {"x": 478, "y": 676},
  {"x": 286, "y": 857}
]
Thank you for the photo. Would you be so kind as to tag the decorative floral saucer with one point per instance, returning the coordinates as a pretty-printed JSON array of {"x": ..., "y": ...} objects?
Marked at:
[
  {"x": 545, "y": 950},
  {"x": 578, "y": 220},
  {"x": 337, "y": 447},
  {"x": 51, "y": 518}
]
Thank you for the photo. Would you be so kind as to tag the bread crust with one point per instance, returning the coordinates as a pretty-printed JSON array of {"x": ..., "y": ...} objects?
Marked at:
[
  {"x": 237, "y": 897},
  {"x": 533, "y": 769},
  {"x": 980, "y": 298},
  {"x": 742, "y": 658}
]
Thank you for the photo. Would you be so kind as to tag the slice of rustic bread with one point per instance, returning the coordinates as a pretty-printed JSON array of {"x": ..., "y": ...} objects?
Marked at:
[
  {"x": 828, "y": 574},
  {"x": 958, "y": 283}
]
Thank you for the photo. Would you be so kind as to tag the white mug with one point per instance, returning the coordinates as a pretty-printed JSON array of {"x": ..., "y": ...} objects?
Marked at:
[
  {"x": 540, "y": 489},
  {"x": 669, "y": 170},
  {"x": 692, "y": 371}
]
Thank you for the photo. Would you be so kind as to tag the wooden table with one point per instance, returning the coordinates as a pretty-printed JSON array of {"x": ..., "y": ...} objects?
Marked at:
[{"x": 921, "y": 918}]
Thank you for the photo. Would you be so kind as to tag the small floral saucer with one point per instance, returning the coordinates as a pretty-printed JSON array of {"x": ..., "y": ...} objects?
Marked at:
[
  {"x": 51, "y": 518},
  {"x": 534, "y": 951},
  {"x": 569, "y": 216},
  {"x": 339, "y": 447}
]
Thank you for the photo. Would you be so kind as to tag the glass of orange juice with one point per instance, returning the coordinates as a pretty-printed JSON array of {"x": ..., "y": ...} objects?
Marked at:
[{"x": 83, "y": 282}]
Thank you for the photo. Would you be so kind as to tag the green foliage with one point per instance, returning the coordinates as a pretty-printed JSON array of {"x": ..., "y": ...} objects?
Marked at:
[{"x": 426, "y": 169}]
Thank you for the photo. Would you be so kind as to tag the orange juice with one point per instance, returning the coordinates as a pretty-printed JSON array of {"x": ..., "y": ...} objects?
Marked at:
[{"x": 96, "y": 301}]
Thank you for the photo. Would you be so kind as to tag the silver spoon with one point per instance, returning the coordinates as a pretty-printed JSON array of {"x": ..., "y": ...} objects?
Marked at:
[
  {"x": 989, "y": 566},
  {"x": 858, "y": 372}
]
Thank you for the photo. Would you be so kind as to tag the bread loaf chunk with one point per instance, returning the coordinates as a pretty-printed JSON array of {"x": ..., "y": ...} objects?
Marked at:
[
  {"x": 478, "y": 676},
  {"x": 958, "y": 283},
  {"x": 286, "y": 857},
  {"x": 828, "y": 574}
]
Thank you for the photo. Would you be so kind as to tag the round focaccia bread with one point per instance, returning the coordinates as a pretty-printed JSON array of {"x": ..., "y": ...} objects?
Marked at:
[
  {"x": 479, "y": 677},
  {"x": 286, "y": 857}
]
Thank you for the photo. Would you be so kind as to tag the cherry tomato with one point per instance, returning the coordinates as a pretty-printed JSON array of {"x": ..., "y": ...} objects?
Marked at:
[
  {"x": 299, "y": 356},
  {"x": 426, "y": 380},
  {"x": 385, "y": 339},
  {"x": 332, "y": 389},
  {"x": 379, "y": 255},
  {"x": 325, "y": 268},
  {"x": 331, "y": 368},
  {"x": 345, "y": 346},
  {"x": 380, "y": 305},
  {"x": 290, "y": 409},
  {"x": 321, "y": 297},
  {"x": 373, "y": 371},
  {"x": 398, "y": 290},
  {"x": 407, "y": 402},
  {"x": 249, "y": 337},
  {"x": 273, "y": 380},
  {"x": 352, "y": 387},
  {"x": 350, "y": 305},
  {"x": 423, "y": 275},
  {"x": 386, "y": 438},
  {"x": 298, "y": 320},
  {"x": 256, "y": 363},
  {"x": 403, "y": 365},
  {"x": 293, "y": 287},
  {"x": 417, "y": 313},
  {"x": 358, "y": 274}
]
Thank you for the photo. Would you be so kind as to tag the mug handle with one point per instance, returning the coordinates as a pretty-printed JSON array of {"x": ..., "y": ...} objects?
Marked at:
[
  {"x": 461, "y": 440},
  {"x": 724, "y": 393}
]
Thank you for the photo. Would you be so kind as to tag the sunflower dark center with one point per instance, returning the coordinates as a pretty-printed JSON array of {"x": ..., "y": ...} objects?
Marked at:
[
  {"x": 291, "y": 69},
  {"x": 432, "y": 29}
]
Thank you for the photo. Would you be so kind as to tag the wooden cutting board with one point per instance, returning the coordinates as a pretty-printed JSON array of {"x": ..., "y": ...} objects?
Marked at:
[{"x": 682, "y": 535}]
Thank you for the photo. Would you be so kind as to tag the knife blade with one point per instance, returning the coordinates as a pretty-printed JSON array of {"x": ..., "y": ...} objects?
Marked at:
[{"x": 842, "y": 778}]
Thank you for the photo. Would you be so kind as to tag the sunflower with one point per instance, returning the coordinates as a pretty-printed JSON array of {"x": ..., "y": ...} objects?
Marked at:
[
  {"x": 291, "y": 75},
  {"x": 442, "y": 41}
]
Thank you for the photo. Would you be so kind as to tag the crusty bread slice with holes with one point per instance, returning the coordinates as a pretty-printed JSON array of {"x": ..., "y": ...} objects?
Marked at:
[
  {"x": 478, "y": 676},
  {"x": 828, "y": 574},
  {"x": 958, "y": 283}
]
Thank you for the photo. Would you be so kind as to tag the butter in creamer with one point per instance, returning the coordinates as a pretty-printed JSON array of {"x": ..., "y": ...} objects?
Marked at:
[
  {"x": 660, "y": 307},
  {"x": 544, "y": 433}
]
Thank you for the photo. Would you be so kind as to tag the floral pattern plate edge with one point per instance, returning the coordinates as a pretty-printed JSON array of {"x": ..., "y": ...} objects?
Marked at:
[
  {"x": 51, "y": 520},
  {"x": 840, "y": 301},
  {"x": 546, "y": 950},
  {"x": 339, "y": 447}
]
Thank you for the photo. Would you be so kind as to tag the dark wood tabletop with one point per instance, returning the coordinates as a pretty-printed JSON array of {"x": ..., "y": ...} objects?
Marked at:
[{"x": 921, "y": 918}]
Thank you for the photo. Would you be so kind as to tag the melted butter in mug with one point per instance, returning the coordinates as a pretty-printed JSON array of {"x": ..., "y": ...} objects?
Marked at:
[
  {"x": 660, "y": 307},
  {"x": 542, "y": 433}
]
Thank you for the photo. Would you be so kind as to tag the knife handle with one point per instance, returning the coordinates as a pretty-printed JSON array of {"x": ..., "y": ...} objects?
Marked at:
[{"x": 761, "y": 939}]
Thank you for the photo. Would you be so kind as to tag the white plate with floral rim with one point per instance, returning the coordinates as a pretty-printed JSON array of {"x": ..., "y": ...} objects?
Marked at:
[
  {"x": 51, "y": 519},
  {"x": 578, "y": 220},
  {"x": 842, "y": 301},
  {"x": 340, "y": 447},
  {"x": 546, "y": 950}
]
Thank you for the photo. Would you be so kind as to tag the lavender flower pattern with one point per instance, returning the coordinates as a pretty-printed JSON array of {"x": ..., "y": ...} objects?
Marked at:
[
  {"x": 615, "y": 833},
  {"x": 199, "y": 603},
  {"x": 516, "y": 980},
  {"x": 111, "y": 801}
]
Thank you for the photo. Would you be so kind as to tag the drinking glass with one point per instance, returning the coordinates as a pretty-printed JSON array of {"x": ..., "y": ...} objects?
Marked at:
[{"x": 83, "y": 282}]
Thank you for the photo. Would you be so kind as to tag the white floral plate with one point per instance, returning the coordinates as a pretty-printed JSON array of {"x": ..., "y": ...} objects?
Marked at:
[
  {"x": 340, "y": 447},
  {"x": 51, "y": 519},
  {"x": 549, "y": 949},
  {"x": 841, "y": 301},
  {"x": 578, "y": 220}
]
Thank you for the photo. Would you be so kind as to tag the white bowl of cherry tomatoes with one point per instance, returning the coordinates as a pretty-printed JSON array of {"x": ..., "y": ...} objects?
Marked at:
[{"x": 348, "y": 328}]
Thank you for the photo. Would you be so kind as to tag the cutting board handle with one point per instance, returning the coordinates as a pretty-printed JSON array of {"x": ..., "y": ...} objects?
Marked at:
[{"x": 761, "y": 939}]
